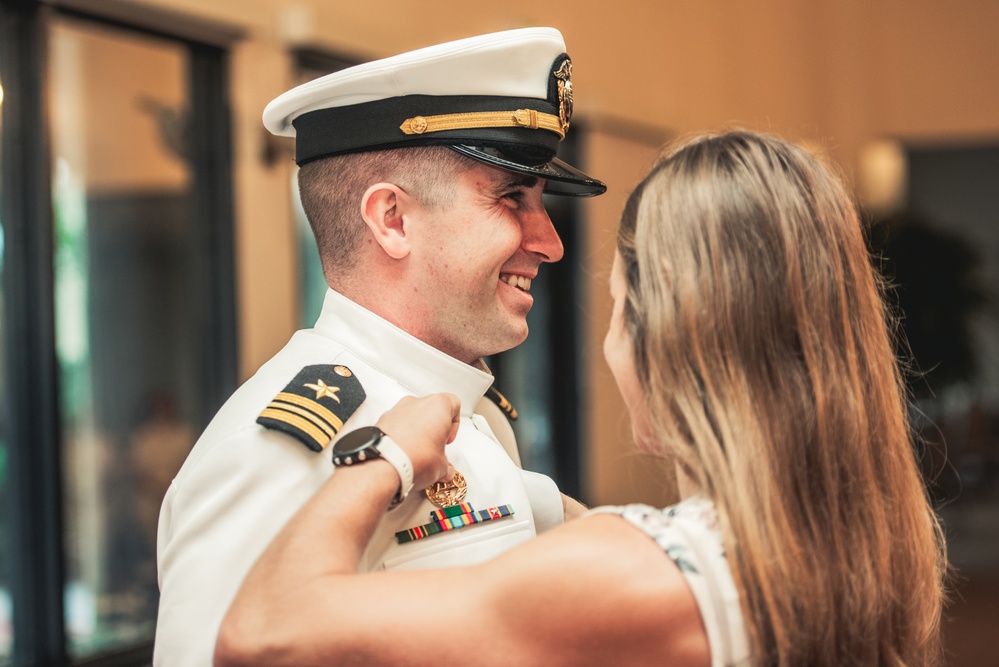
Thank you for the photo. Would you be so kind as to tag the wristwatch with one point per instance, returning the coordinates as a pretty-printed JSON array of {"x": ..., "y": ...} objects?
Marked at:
[{"x": 368, "y": 443}]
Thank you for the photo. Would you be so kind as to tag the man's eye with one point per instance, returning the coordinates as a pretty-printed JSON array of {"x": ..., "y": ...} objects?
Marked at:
[{"x": 515, "y": 196}]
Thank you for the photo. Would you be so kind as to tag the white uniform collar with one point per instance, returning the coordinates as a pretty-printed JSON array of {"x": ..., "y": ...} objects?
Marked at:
[{"x": 389, "y": 349}]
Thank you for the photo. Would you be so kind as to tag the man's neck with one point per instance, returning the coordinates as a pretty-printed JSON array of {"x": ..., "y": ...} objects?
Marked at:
[{"x": 385, "y": 307}]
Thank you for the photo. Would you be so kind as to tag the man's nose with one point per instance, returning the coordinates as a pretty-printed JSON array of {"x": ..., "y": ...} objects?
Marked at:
[{"x": 541, "y": 238}]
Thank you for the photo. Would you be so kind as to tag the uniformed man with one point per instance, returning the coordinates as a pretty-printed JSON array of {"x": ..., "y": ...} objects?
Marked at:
[{"x": 422, "y": 177}]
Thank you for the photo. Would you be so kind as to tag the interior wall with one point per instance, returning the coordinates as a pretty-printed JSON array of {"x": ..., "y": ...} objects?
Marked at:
[
  {"x": 266, "y": 241},
  {"x": 613, "y": 471},
  {"x": 836, "y": 74}
]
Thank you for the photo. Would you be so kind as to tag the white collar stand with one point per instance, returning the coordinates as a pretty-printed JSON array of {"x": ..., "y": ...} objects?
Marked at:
[{"x": 420, "y": 367}]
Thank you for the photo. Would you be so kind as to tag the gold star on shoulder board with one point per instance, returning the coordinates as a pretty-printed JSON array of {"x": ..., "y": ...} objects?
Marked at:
[{"x": 322, "y": 389}]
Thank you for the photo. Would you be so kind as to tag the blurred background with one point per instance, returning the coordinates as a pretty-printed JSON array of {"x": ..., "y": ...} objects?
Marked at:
[{"x": 153, "y": 253}]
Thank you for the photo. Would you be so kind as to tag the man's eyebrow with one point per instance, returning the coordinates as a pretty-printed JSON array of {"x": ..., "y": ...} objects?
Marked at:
[{"x": 510, "y": 181}]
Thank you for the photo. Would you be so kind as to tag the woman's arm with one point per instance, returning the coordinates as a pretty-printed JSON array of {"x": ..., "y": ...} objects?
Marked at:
[
  {"x": 324, "y": 541},
  {"x": 595, "y": 591}
]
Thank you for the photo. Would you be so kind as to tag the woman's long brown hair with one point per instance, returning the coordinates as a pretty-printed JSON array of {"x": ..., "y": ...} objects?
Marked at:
[{"x": 765, "y": 350}]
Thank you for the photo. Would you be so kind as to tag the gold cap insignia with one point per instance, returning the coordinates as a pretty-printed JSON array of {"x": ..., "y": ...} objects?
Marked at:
[{"x": 564, "y": 76}]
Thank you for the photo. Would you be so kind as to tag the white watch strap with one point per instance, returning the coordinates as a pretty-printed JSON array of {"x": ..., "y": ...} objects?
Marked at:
[{"x": 394, "y": 454}]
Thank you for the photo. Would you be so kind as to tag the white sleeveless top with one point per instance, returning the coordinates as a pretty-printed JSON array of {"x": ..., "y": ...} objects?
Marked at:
[{"x": 689, "y": 534}]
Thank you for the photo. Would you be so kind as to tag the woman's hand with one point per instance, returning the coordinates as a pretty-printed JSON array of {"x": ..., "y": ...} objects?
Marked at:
[{"x": 422, "y": 427}]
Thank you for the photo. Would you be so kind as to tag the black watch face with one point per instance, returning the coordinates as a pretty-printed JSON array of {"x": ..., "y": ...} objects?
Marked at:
[{"x": 353, "y": 446}]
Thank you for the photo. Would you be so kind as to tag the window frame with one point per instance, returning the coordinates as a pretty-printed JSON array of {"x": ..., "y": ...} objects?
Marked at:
[
  {"x": 37, "y": 575},
  {"x": 35, "y": 478}
]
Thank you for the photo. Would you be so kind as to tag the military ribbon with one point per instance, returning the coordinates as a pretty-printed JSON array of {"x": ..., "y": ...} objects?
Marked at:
[{"x": 452, "y": 518}]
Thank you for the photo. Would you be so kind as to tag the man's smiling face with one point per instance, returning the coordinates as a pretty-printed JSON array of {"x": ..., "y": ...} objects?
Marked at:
[{"x": 476, "y": 257}]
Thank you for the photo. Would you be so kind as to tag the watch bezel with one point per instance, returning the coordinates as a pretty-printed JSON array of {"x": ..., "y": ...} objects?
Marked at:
[{"x": 345, "y": 452}]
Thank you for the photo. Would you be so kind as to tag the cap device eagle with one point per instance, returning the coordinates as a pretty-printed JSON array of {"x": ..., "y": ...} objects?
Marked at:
[{"x": 504, "y": 99}]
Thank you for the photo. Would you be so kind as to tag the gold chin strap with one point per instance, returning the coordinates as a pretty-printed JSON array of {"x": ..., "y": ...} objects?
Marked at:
[{"x": 529, "y": 118}]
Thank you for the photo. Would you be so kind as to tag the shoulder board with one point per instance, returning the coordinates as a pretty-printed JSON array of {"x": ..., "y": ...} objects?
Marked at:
[
  {"x": 504, "y": 405},
  {"x": 315, "y": 405}
]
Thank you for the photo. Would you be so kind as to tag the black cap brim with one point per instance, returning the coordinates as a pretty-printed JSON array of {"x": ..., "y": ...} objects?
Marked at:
[{"x": 560, "y": 178}]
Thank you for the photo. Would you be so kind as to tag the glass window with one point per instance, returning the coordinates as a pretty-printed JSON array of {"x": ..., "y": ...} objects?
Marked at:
[
  {"x": 538, "y": 376},
  {"x": 311, "y": 279},
  {"x": 312, "y": 283},
  {"x": 126, "y": 318},
  {"x": 525, "y": 377}
]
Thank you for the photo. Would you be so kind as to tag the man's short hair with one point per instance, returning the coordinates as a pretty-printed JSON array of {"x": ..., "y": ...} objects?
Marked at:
[{"x": 331, "y": 190}]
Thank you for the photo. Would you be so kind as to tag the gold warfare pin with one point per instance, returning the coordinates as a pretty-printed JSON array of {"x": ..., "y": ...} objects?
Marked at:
[{"x": 447, "y": 494}]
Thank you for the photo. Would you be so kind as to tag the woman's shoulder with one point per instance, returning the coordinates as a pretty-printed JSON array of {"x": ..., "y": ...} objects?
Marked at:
[
  {"x": 694, "y": 513},
  {"x": 690, "y": 525},
  {"x": 593, "y": 591},
  {"x": 689, "y": 533}
]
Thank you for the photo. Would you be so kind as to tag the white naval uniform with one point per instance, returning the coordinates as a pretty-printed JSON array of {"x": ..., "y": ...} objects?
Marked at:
[{"x": 242, "y": 482}]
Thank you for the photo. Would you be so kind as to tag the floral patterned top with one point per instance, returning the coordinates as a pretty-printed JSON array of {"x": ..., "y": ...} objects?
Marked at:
[{"x": 689, "y": 534}]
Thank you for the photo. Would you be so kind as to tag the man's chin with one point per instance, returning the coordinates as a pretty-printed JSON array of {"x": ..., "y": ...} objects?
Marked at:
[{"x": 505, "y": 343}]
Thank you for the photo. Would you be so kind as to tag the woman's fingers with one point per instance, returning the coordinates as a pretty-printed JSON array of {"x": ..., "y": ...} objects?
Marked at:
[{"x": 422, "y": 426}]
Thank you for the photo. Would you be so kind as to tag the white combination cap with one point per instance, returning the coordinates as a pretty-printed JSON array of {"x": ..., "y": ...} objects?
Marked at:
[{"x": 504, "y": 99}]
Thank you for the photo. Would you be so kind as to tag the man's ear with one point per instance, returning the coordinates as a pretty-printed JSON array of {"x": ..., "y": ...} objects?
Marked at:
[{"x": 383, "y": 207}]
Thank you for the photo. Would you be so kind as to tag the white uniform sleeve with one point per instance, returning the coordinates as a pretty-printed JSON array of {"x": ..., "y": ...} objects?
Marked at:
[
  {"x": 217, "y": 518},
  {"x": 546, "y": 500}
]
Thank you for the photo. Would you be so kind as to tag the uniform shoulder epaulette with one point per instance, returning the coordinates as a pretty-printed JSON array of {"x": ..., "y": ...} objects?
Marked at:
[
  {"x": 503, "y": 404},
  {"x": 315, "y": 405}
]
